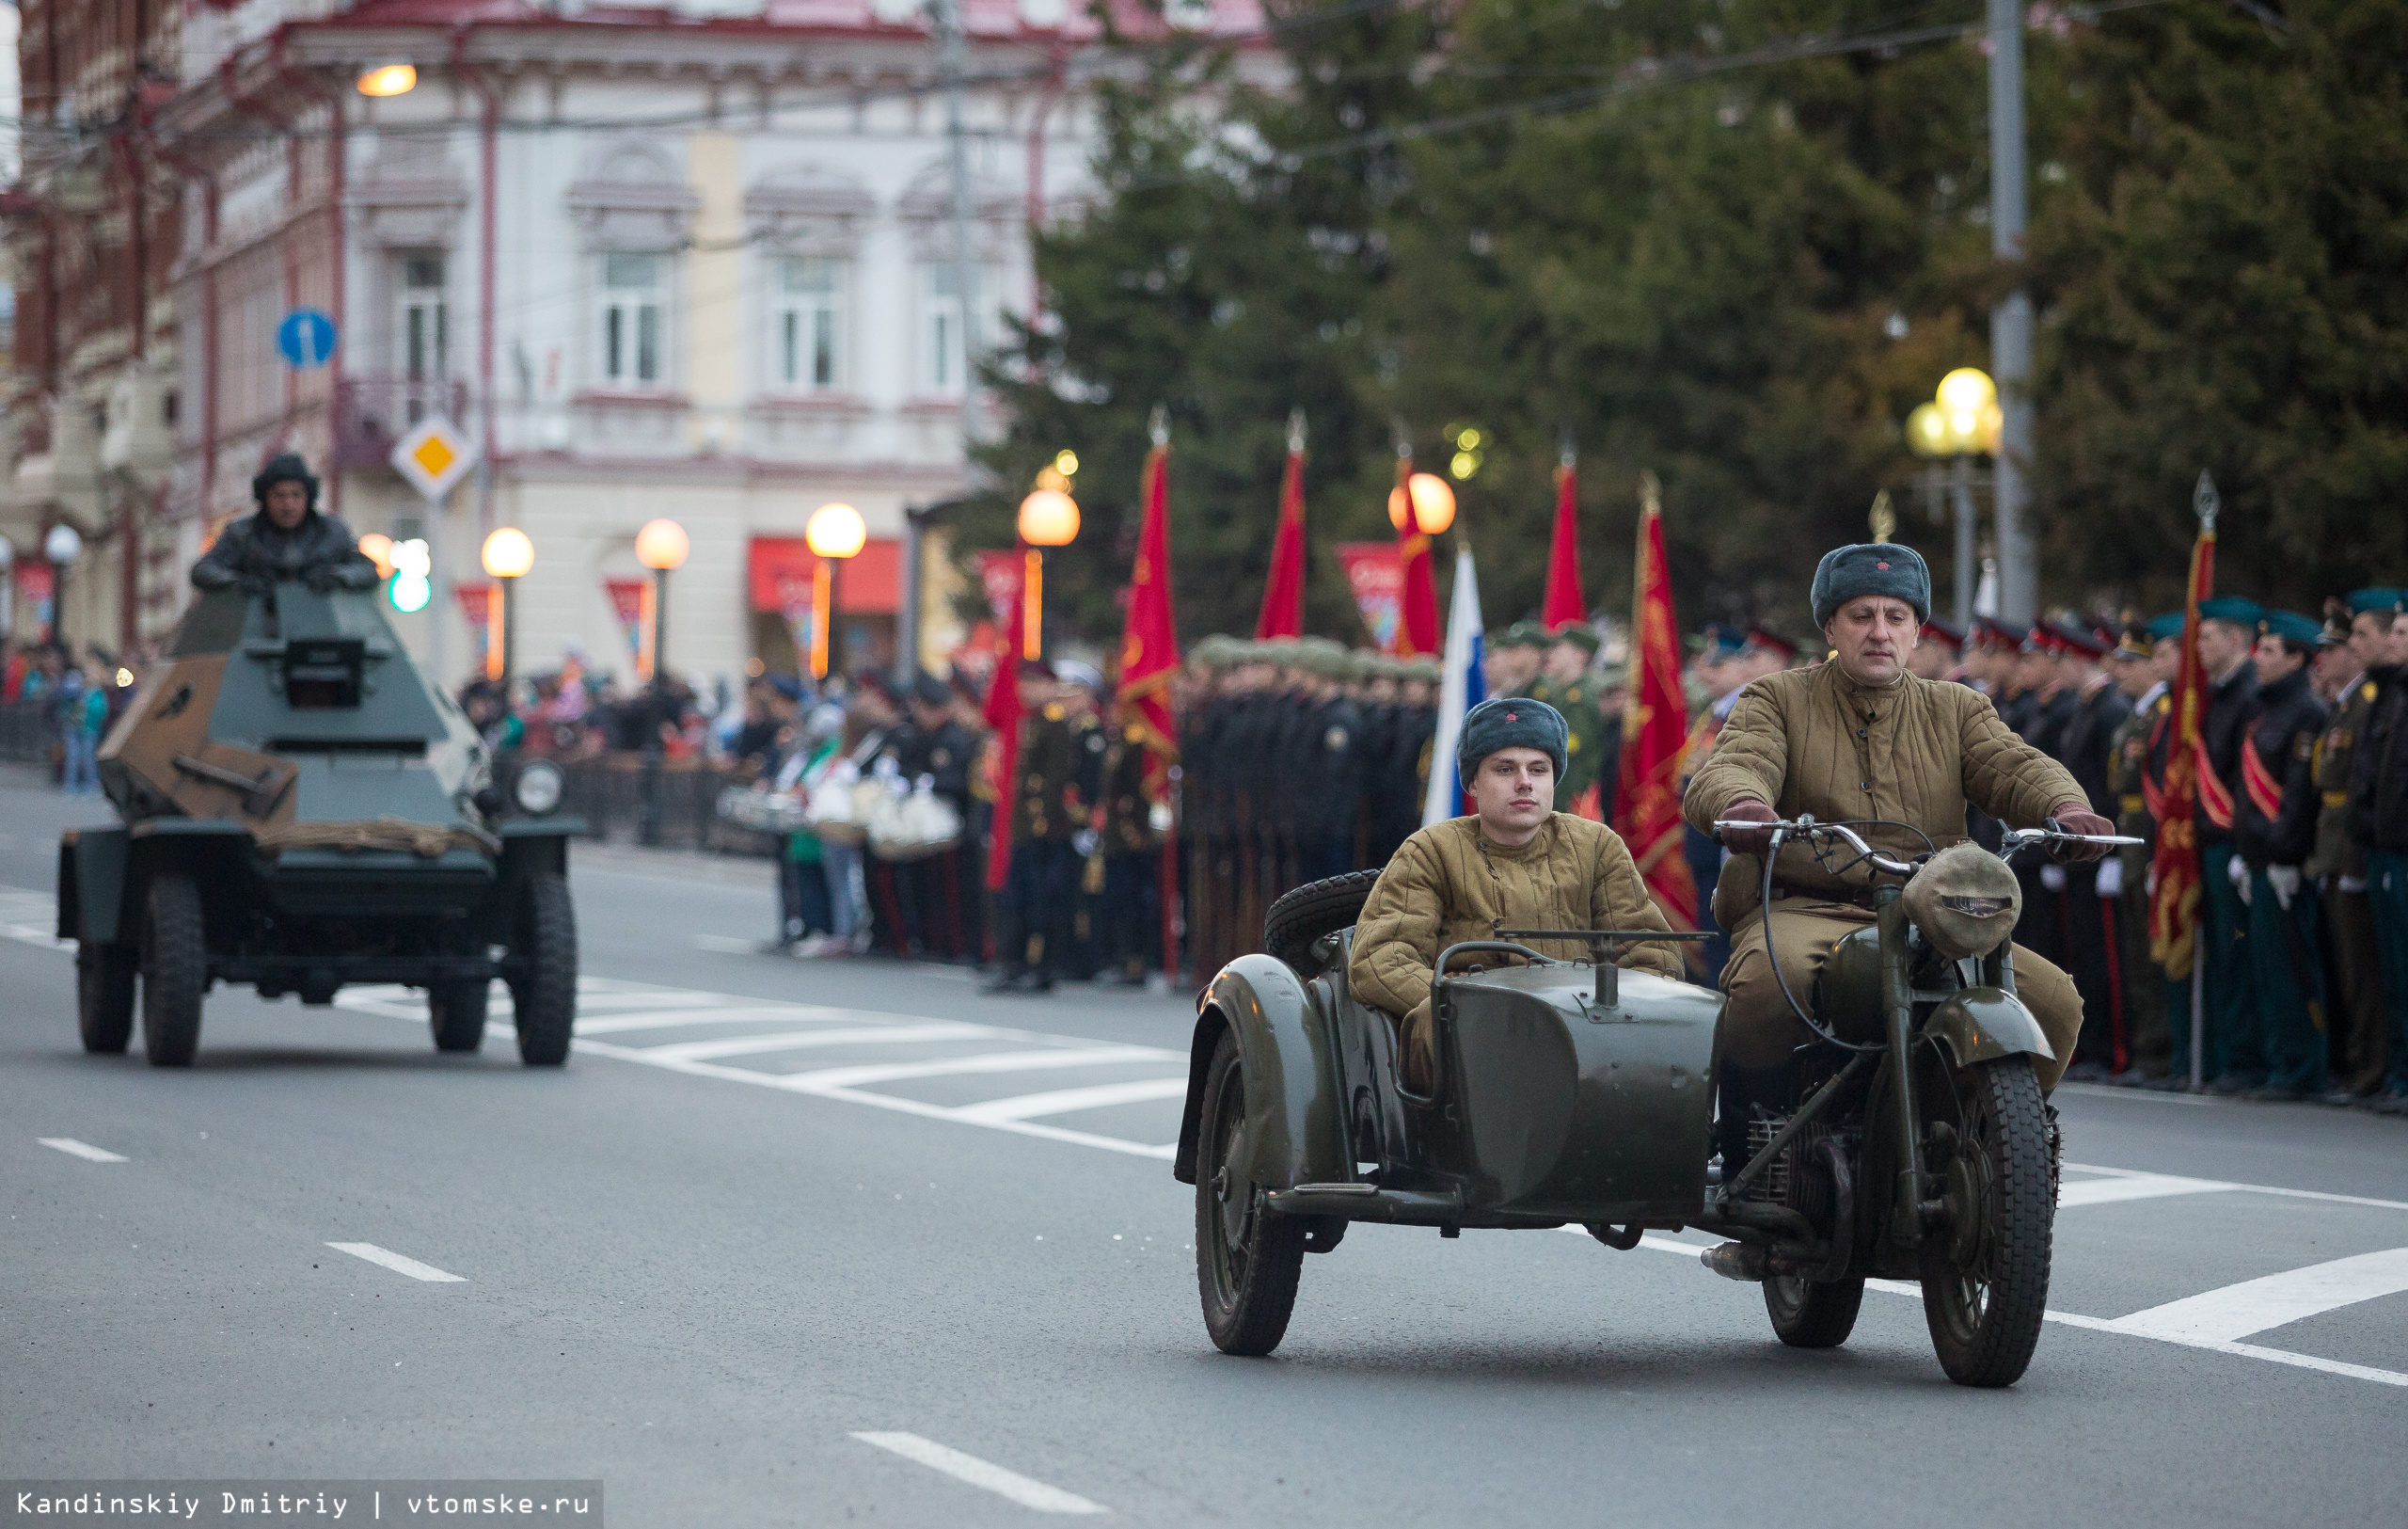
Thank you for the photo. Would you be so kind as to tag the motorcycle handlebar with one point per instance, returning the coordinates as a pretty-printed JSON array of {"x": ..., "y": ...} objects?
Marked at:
[{"x": 1804, "y": 826}]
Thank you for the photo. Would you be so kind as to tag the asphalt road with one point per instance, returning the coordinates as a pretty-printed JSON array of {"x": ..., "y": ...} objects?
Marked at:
[{"x": 772, "y": 1206}]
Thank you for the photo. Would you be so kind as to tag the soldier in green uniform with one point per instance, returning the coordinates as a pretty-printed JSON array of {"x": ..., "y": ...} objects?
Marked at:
[
  {"x": 2338, "y": 865},
  {"x": 1565, "y": 684},
  {"x": 2141, "y": 665},
  {"x": 1515, "y": 659},
  {"x": 1052, "y": 801},
  {"x": 1131, "y": 911}
]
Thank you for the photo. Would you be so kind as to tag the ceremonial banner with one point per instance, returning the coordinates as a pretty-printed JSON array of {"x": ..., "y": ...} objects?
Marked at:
[
  {"x": 2179, "y": 740},
  {"x": 1000, "y": 573},
  {"x": 1655, "y": 731},
  {"x": 1283, "y": 592},
  {"x": 1564, "y": 604},
  {"x": 627, "y": 605},
  {"x": 1148, "y": 659},
  {"x": 1375, "y": 574},
  {"x": 1420, "y": 602},
  {"x": 1461, "y": 686}
]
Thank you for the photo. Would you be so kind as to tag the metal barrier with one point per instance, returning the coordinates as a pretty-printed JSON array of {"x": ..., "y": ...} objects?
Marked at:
[
  {"x": 26, "y": 732},
  {"x": 649, "y": 799}
]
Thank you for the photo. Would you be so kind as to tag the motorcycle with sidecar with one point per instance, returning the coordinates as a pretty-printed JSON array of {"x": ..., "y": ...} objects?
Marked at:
[{"x": 1912, "y": 1142}]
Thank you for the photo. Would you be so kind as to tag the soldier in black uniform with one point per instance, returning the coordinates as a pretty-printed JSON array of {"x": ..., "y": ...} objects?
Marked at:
[
  {"x": 2150, "y": 1003},
  {"x": 942, "y": 750},
  {"x": 2041, "y": 706},
  {"x": 1206, "y": 854},
  {"x": 1051, "y": 801},
  {"x": 2339, "y": 865},
  {"x": 2086, "y": 747},
  {"x": 1131, "y": 913},
  {"x": 2377, "y": 808},
  {"x": 2234, "y": 1060},
  {"x": 1405, "y": 775},
  {"x": 1323, "y": 763},
  {"x": 2275, "y": 832}
]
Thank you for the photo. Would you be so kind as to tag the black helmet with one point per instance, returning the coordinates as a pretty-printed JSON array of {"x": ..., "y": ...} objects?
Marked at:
[{"x": 286, "y": 467}]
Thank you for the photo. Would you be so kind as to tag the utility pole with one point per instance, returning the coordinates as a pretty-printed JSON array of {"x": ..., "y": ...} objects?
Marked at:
[
  {"x": 2011, "y": 320},
  {"x": 951, "y": 61}
]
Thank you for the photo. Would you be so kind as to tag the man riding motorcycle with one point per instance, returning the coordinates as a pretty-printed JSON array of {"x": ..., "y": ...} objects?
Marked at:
[
  {"x": 1515, "y": 864},
  {"x": 1854, "y": 739}
]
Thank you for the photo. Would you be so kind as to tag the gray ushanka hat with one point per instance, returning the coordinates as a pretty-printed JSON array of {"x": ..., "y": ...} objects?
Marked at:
[
  {"x": 1510, "y": 722},
  {"x": 1871, "y": 568}
]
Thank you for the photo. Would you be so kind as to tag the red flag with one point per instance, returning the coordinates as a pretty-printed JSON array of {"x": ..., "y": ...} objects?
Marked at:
[
  {"x": 1419, "y": 632},
  {"x": 2174, "y": 908},
  {"x": 1004, "y": 588},
  {"x": 1375, "y": 574},
  {"x": 1564, "y": 604},
  {"x": 1149, "y": 644},
  {"x": 1655, "y": 731},
  {"x": 1283, "y": 594}
]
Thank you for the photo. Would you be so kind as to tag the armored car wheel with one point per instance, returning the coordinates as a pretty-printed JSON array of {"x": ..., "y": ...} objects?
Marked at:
[
  {"x": 543, "y": 993},
  {"x": 1304, "y": 914},
  {"x": 1812, "y": 1313},
  {"x": 456, "y": 1013},
  {"x": 1986, "y": 1273},
  {"x": 175, "y": 970},
  {"x": 105, "y": 996},
  {"x": 1248, "y": 1257}
]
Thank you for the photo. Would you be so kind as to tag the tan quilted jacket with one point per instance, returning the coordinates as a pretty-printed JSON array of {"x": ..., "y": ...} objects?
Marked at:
[
  {"x": 1915, "y": 752},
  {"x": 1448, "y": 883}
]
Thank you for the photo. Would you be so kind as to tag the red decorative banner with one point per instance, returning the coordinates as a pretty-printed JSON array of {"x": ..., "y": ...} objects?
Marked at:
[
  {"x": 1283, "y": 592},
  {"x": 1375, "y": 574},
  {"x": 476, "y": 603},
  {"x": 1647, "y": 798},
  {"x": 626, "y": 604},
  {"x": 2179, "y": 740}
]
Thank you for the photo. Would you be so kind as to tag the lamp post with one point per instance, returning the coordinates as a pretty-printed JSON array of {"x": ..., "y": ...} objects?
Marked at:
[
  {"x": 661, "y": 546},
  {"x": 834, "y": 533},
  {"x": 1963, "y": 417},
  {"x": 7, "y": 590},
  {"x": 62, "y": 547},
  {"x": 508, "y": 555},
  {"x": 1049, "y": 517}
]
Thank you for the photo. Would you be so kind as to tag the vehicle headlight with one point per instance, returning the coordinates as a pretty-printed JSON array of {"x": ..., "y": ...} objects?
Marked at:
[{"x": 539, "y": 786}]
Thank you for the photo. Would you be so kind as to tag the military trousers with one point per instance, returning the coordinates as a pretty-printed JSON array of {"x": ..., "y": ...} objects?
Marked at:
[
  {"x": 2358, "y": 987},
  {"x": 2289, "y": 976},
  {"x": 1759, "y": 1030},
  {"x": 1033, "y": 909},
  {"x": 2234, "y": 1045},
  {"x": 2387, "y": 891},
  {"x": 2147, "y": 1021}
]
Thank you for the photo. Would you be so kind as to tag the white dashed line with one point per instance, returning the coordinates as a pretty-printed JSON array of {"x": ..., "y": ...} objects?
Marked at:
[
  {"x": 982, "y": 1473},
  {"x": 85, "y": 1150},
  {"x": 395, "y": 1262}
]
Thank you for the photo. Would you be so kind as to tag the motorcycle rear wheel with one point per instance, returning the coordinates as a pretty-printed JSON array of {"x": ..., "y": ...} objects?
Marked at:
[
  {"x": 1812, "y": 1313},
  {"x": 1986, "y": 1275}
]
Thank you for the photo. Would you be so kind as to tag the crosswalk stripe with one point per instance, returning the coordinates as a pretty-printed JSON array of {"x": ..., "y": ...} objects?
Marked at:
[
  {"x": 2136, "y": 1186},
  {"x": 992, "y": 1062},
  {"x": 749, "y": 1046},
  {"x": 2236, "y": 1311},
  {"x": 1067, "y": 1101}
]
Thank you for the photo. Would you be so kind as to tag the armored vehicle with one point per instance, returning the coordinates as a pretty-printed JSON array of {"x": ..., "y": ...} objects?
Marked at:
[{"x": 302, "y": 808}]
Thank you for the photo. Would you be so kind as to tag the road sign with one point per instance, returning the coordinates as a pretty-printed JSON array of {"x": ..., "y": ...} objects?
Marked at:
[
  {"x": 434, "y": 456},
  {"x": 306, "y": 339}
]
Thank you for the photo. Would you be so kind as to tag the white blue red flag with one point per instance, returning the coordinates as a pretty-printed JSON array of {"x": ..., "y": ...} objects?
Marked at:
[{"x": 1461, "y": 687}]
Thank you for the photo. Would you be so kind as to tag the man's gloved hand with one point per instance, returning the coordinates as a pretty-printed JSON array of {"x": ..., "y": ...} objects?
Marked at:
[
  {"x": 323, "y": 579},
  {"x": 2111, "y": 877},
  {"x": 2053, "y": 877},
  {"x": 2078, "y": 821},
  {"x": 2238, "y": 874},
  {"x": 1749, "y": 840},
  {"x": 2285, "y": 881}
]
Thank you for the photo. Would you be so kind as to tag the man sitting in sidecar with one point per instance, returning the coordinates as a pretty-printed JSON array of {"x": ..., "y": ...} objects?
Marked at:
[
  {"x": 1516, "y": 864},
  {"x": 1856, "y": 738}
]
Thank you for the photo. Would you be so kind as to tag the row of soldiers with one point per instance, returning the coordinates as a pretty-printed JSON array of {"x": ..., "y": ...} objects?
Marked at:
[{"x": 2302, "y": 923}]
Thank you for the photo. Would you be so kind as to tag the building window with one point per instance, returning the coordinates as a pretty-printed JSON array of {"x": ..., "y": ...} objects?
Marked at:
[
  {"x": 421, "y": 338},
  {"x": 807, "y": 337},
  {"x": 633, "y": 330},
  {"x": 941, "y": 365}
]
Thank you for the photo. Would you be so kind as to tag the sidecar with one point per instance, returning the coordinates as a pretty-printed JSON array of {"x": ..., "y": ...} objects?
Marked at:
[{"x": 1563, "y": 1094}]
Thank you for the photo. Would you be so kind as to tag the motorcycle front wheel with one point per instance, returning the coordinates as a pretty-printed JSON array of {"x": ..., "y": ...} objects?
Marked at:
[{"x": 1986, "y": 1273}]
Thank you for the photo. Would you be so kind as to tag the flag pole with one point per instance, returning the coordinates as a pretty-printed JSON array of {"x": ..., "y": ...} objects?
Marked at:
[{"x": 2206, "y": 502}]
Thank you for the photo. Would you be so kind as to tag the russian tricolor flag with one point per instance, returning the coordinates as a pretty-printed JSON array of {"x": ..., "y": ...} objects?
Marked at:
[{"x": 1461, "y": 687}]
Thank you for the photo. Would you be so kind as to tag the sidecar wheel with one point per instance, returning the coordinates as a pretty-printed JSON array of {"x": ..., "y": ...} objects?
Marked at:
[
  {"x": 1248, "y": 1257},
  {"x": 1986, "y": 1275},
  {"x": 1812, "y": 1313}
]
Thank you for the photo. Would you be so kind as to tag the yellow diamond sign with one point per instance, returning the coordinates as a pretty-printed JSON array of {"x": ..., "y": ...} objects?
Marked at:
[{"x": 434, "y": 456}]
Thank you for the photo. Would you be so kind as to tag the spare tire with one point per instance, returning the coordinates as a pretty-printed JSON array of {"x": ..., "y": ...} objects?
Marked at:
[{"x": 1309, "y": 912}]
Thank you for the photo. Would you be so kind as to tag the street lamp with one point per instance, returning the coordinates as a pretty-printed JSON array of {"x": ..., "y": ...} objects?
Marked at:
[
  {"x": 1430, "y": 501},
  {"x": 1963, "y": 417},
  {"x": 661, "y": 546},
  {"x": 508, "y": 555},
  {"x": 834, "y": 533},
  {"x": 388, "y": 79},
  {"x": 1049, "y": 517},
  {"x": 62, "y": 547}
]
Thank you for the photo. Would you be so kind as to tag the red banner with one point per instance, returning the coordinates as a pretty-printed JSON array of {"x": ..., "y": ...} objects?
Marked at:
[
  {"x": 1375, "y": 574},
  {"x": 476, "y": 603},
  {"x": 1418, "y": 601},
  {"x": 33, "y": 579},
  {"x": 1149, "y": 644},
  {"x": 1283, "y": 592},
  {"x": 1647, "y": 801},
  {"x": 1564, "y": 604},
  {"x": 1000, "y": 574},
  {"x": 2179, "y": 740}
]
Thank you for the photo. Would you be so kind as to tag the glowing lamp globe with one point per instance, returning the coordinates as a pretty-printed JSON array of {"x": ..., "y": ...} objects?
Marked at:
[
  {"x": 378, "y": 548},
  {"x": 394, "y": 79},
  {"x": 661, "y": 546},
  {"x": 62, "y": 545},
  {"x": 1049, "y": 517},
  {"x": 835, "y": 530},
  {"x": 1433, "y": 503},
  {"x": 1967, "y": 390},
  {"x": 508, "y": 553}
]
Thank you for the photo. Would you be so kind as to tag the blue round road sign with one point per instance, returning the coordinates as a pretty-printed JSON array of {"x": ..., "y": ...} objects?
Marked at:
[{"x": 306, "y": 339}]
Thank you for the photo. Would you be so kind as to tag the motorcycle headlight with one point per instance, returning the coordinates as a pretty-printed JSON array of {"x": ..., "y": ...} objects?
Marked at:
[
  {"x": 539, "y": 786},
  {"x": 1965, "y": 901}
]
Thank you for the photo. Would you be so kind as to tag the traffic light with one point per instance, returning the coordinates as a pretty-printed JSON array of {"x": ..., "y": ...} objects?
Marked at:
[{"x": 412, "y": 585}]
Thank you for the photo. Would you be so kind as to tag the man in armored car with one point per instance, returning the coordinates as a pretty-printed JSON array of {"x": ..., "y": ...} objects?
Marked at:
[
  {"x": 290, "y": 538},
  {"x": 1516, "y": 863},
  {"x": 1855, "y": 739}
]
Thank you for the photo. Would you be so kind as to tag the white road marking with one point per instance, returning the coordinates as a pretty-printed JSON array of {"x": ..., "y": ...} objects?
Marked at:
[
  {"x": 85, "y": 1150},
  {"x": 984, "y": 1474},
  {"x": 2145, "y": 1096},
  {"x": 992, "y": 1062},
  {"x": 1065, "y": 1101},
  {"x": 2236, "y": 1311},
  {"x": 2109, "y": 1191},
  {"x": 395, "y": 1262},
  {"x": 749, "y": 1046},
  {"x": 2249, "y": 1188}
]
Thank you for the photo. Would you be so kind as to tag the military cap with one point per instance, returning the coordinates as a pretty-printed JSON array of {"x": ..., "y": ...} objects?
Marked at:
[
  {"x": 1511, "y": 721},
  {"x": 1524, "y": 634},
  {"x": 1214, "y": 652},
  {"x": 1773, "y": 642},
  {"x": 1848, "y": 573},
  {"x": 2071, "y": 637},
  {"x": 870, "y": 680},
  {"x": 1946, "y": 633},
  {"x": 929, "y": 690},
  {"x": 2232, "y": 609},
  {"x": 1613, "y": 676},
  {"x": 1323, "y": 658},
  {"x": 2133, "y": 642},
  {"x": 2365, "y": 600},
  {"x": 1721, "y": 640},
  {"x": 1426, "y": 670},
  {"x": 2167, "y": 627},
  {"x": 1578, "y": 634},
  {"x": 2291, "y": 626},
  {"x": 1279, "y": 650}
]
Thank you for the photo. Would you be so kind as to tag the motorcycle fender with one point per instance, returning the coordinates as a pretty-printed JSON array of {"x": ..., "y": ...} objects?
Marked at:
[
  {"x": 1983, "y": 1023},
  {"x": 1295, "y": 1120},
  {"x": 91, "y": 884}
]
